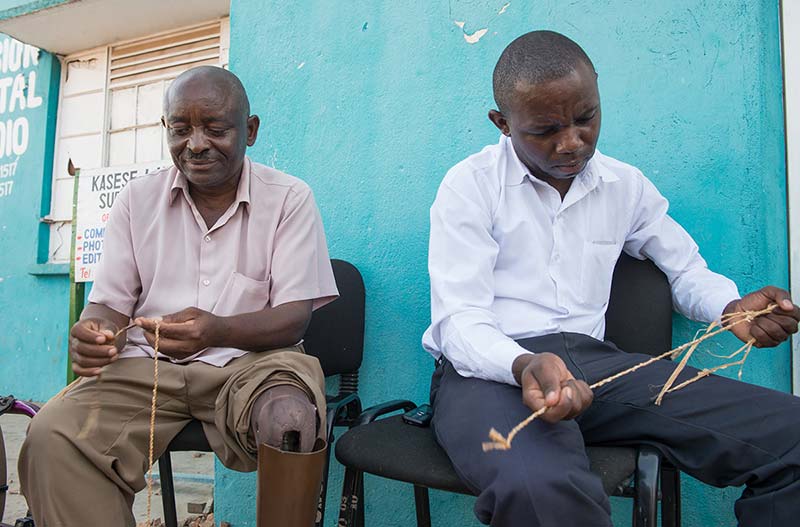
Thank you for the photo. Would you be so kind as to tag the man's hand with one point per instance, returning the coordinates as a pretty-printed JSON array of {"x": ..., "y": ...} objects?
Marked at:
[
  {"x": 771, "y": 329},
  {"x": 184, "y": 333},
  {"x": 91, "y": 345},
  {"x": 546, "y": 381}
]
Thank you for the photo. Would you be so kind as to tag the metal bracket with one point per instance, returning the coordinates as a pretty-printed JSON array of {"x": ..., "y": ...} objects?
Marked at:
[{"x": 6, "y": 403}]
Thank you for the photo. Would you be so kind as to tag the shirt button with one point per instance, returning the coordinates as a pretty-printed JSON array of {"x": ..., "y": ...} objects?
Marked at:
[
  {"x": 206, "y": 282},
  {"x": 556, "y": 257},
  {"x": 207, "y": 238}
]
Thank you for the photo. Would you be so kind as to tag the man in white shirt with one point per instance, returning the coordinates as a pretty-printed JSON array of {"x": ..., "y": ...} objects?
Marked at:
[{"x": 524, "y": 239}]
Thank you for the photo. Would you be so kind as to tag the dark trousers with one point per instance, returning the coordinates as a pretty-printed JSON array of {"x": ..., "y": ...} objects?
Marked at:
[{"x": 720, "y": 431}]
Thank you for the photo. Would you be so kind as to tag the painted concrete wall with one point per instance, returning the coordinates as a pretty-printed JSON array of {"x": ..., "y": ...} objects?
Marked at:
[
  {"x": 33, "y": 308},
  {"x": 372, "y": 102}
]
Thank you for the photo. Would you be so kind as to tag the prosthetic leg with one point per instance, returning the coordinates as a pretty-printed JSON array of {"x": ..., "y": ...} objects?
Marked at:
[{"x": 290, "y": 458}]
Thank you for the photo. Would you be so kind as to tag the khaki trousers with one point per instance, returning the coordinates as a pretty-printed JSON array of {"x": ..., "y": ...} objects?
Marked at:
[{"x": 86, "y": 452}]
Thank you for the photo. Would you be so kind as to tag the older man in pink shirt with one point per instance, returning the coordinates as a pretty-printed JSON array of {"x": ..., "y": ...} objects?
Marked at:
[{"x": 229, "y": 258}]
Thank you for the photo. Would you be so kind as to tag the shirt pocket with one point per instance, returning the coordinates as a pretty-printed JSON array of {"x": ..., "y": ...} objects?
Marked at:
[
  {"x": 597, "y": 268},
  {"x": 242, "y": 294}
]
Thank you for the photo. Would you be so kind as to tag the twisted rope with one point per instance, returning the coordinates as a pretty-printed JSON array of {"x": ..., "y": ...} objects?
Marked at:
[
  {"x": 152, "y": 424},
  {"x": 500, "y": 442}
]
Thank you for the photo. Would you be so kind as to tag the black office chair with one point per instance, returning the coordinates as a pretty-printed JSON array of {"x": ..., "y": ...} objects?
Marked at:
[
  {"x": 336, "y": 337},
  {"x": 639, "y": 318}
]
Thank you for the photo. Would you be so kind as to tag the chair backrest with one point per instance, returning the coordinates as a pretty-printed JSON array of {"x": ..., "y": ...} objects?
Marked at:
[
  {"x": 336, "y": 332},
  {"x": 639, "y": 315}
]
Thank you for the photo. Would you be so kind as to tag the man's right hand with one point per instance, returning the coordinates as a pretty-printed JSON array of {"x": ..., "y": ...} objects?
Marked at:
[
  {"x": 546, "y": 381},
  {"x": 91, "y": 346}
]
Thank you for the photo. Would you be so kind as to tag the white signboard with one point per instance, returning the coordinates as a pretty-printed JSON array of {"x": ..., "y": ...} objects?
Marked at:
[{"x": 97, "y": 190}]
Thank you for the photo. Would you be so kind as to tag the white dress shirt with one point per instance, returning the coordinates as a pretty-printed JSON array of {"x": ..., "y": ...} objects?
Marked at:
[{"x": 509, "y": 259}]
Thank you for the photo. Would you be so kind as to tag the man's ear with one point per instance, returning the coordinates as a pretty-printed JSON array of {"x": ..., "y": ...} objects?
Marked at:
[
  {"x": 499, "y": 121},
  {"x": 252, "y": 129}
]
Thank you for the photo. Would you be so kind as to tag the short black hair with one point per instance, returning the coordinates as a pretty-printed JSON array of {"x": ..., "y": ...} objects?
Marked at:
[{"x": 535, "y": 57}]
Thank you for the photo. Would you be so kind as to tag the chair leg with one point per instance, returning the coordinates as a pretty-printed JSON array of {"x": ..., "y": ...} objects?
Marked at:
[
  {"x": 423, "y": 506},
  {"x": 670, "y": 496},
  {"x": 167, "y": 490},
  {"x": 323, "y": 494},
  {"x": 349, "y": 505},
  {"x": 645, "y": 499},
  {"x": 361, "y": 516}
]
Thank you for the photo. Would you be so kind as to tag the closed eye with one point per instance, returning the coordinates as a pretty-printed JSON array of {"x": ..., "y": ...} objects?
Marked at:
[{"x": 542, "y": 132}]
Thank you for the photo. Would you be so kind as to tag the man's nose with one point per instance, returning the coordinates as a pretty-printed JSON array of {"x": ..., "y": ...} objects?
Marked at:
[
  {"x": 198, "y": 142},
  {"x": 569, "y": 141}
]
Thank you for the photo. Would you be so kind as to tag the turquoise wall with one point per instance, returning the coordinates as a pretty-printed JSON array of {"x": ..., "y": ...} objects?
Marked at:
[
  {"x": 371, "y": 102},
  {"x": 33, "y": 307}
]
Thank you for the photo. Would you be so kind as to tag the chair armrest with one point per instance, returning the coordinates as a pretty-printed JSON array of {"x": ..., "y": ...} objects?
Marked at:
[
  {"x": 337, "y": 405},
  {"x": 373, "y": 412}
]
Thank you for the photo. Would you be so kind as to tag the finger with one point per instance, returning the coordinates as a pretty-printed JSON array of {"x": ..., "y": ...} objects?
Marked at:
[
  {"x": 787, "y": 323},
  {"x": 771, "y": 328},
  {"x": 581, "y": 398},
  {"x": 184, "y": 315},
  {"x": 148, "y": 324},
  {"x": 532, "y": 395},
  {"x": 169, "y": 346},
  {"x": 778, "y": 296},
  {"x": 563, "y": 408},
  {"x": 585, "y": 394},
  {"x": 178, "y": 330},
  {"x": 92, "y": 362},
  {"x": 763, "y": 340},
  {"x": 80, "y": 371},
  {"x": 84, "y": 331},
  {"x": 92, "y": 350},
  {"x": 793, "y": 313},
  {"x": 549, "y": 374},
  {"x": 574, "y": 395}
]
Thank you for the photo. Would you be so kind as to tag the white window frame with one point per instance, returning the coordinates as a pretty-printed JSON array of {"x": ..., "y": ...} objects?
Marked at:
[
  {"x": 61, "y": 196},
  {"x": 790, "y": 31}
]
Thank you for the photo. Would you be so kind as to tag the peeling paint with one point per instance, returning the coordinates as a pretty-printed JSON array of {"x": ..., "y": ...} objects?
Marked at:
[
  {"x": 300, "y": 66},
  {"x": 365, "y": 26},
  {"x": 473, "y": 38}
]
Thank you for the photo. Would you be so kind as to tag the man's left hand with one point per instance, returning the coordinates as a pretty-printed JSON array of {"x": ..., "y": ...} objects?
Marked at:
[
  {"x": 772, "y": 328},
  {"x": 184, "y": 333}
]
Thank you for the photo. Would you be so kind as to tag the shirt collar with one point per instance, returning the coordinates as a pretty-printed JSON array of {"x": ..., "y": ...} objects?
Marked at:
[
  {"x": 179, "y": 183},
  {"x": 517, "y": 172}
]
